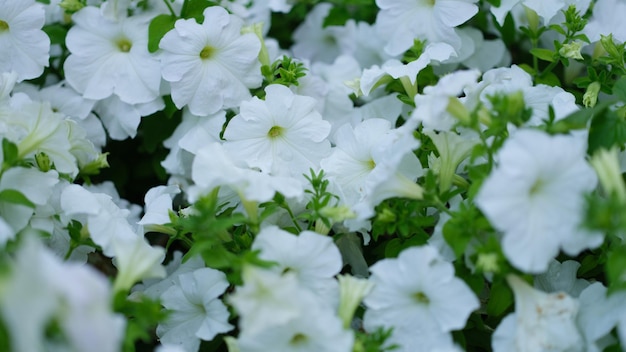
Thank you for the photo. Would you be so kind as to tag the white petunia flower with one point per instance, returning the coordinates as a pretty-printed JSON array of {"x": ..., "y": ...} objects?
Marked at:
[
  {"x": 316, "y": 330},
  {"x": 24, "y": 46},
  {"x": 607, "y": 18},
  {"x": 535, "y": 196},
  {"x": 196, "y": 312},
  {"x": 419, "y": 296},
  {"x": 111, "y": 58},
  {"x": 269, "y": 299},
  {"x": 213, "y": 166},
  {"x": 40, "y": 289},
  {"x": 283, "y": 135},
  {"x": 541, "y": 322},
  {"x": 402, "y": 21},
  {"x": 313, "y": 258},
  {"x": 212, "y": 65}
]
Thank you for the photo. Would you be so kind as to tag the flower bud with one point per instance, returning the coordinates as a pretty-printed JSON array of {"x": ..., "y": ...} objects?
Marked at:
[
  {"x": 590, "y": 98},
  {"x": 571, "y": 50}
]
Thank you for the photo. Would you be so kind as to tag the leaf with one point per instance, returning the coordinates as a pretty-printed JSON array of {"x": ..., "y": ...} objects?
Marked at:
[
  {"x": 350, "y": 247},
  {"x": 159, "y": 25},
  {"x": 543, "y": 54},
  {"x": 607, "y": 130},
  {"x": 56, "y": 32},
  {"x": 500, "y": 298},
  {"x": 15, "y": 197},
  {"x": 619, "y": 89},
  {"x": 616, "y": 269},
  {"x": 9, "y": 152},
  {"x": 336, "y": 17},
  {"x": 195, "y": 9},
  {"x": 577, "y": 120}
]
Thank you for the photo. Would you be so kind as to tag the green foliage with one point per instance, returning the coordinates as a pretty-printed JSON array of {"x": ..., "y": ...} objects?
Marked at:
[
  {"x": 285, "y": 71},
  {"x": 374, "y": 341},
  {"x": 157, "y": 29},
  {"x": 15, "y": 197},
  {"x": 143, "y": 314},
  {"x": 320, "y": 199}
]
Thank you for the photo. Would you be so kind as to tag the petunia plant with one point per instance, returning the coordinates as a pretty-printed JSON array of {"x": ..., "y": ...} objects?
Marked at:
[{"x": 319, "y": 175}]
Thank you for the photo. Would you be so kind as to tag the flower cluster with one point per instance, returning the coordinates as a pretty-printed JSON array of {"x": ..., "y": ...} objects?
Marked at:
[{"x": 340, "y": 176}]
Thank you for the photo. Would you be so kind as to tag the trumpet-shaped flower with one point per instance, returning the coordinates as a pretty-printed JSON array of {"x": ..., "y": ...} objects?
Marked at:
[
  {"x": 373, "y": 162},
  {"x": 214, "y": 166},
  {"x": 418, "y": 295},
  {"x": 111, "y": 57},
  {"x": 402, "y": 21},
  {"x": 541, "y": 322},
  {"x": 283, "y": 135},
  {"x": 196, "y": 312},
  {"x": 314, "y": 258},
  {"x": 24, "y": 46},
  {"x": 41, "y": 289},
  {"x": 211, "y": 65},
  {"x": 535, "y": 196}
]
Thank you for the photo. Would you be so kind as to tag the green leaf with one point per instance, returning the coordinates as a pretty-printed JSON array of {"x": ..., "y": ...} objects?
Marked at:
[
  {"x": 15, "y": 197},
  {"x": 616, "y": 269},
  {"x": 159, "y": 25},
  {"x": 543, "y": 54},
  {"x": 195, "y": 9},
  {"x": 500, "y": 298},
  {"x": 350, "y": 247},
  {"x": 336, "y": 17},
  {"x": 56, "y": 32},
  {"x": 607, "y": 130},
  {"x": 619, "y": 89},
  {"x": 494, "y": 3},
  {"x": 9, "y": 152}
]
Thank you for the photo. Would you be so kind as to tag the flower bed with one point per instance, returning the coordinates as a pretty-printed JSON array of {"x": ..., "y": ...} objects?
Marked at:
[{"x": 348, "y": 175}]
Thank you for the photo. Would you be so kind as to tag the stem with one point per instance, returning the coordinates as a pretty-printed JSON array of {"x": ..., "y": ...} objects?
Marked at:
[
  {"x": 409, "y": 88},
  {"x": 169, "y": 7}
]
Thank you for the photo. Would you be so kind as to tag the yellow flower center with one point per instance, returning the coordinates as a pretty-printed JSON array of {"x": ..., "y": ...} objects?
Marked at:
[
  {"x": 371, "y": 164},
  {"x": 3, "y": 26},
  {"x": 298, "y": 339},
  {"x": 207, "y": 52},
  {"x": 124, "y": 45},
  {"x": 420, "y": 297},
  {"x": 275, "y": 132}
]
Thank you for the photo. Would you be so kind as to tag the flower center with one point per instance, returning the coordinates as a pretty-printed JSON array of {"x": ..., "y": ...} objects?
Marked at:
[
  {"x": 124, "y": 45},
  {"x": 207, "y": 52},
  {"x": 275, "y": 132},
  {"x": 431, "y": 2},
  {"x": 371, "y": 164},
  {"x": 536, "y": 187},
  {"x": 3, "y": 26},
  {"x": 420, "y": 297},
  {"x": 298, "y": 339}
]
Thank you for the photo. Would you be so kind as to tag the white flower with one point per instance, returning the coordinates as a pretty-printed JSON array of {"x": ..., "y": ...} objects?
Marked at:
[
  {"x": 535, "y": 196},
  {"x": 431, "y": 107},
  {"x": 24, "y": 46},
  {"x": 212, "y": 65},
  {"x": 158, "y": 205},
  {"x": 315, "y": 42},
  {"x": 195, "y": 309},
  {"x": 283, "y": 135},
  {"x": 214, "y": 166},
  {"x": 316, "y": 330},
  {"x": 111, "y": 57},
  {"x": 401, "y": 21},
  {"x": 371, "y": 163},
  {"x": 269, "y": 299},
  {"x": 35, "y": 185},
  {"x": 372, "y": 76},
  {"x": 40, "y": 288},
  {"x": 313, "y": 258},
  {"x": 541, "y": 322},
  {"x": 607, "y": 18},
  {"x": 418, "y": 295}
]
